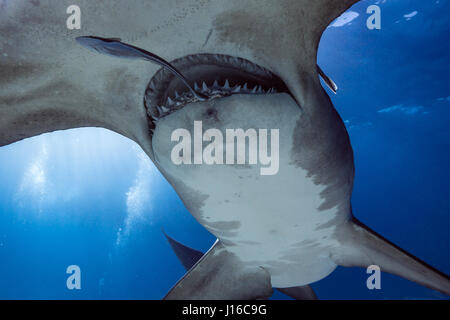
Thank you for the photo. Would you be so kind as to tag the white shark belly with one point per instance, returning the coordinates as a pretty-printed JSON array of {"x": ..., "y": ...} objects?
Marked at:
[
  {"x": 269, "y": 221},
  {"x": 278, "y": 221}
]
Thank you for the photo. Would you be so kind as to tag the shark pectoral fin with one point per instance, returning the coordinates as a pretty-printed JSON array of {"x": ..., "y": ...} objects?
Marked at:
[
  {"x": 361, "y": 247},
  {"x": 219, "y": 275},
  {"x": 299, "y": 293}
]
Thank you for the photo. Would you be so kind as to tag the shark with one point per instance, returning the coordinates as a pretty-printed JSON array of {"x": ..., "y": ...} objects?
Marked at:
[{"x": 230, "y": 64}]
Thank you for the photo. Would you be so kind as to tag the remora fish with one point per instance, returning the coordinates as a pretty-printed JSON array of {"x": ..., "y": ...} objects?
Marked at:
[{"x": 114, "y": 47}]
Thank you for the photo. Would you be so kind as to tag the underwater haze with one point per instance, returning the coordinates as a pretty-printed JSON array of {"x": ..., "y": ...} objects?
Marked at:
[{"x": 92, "y": 198}]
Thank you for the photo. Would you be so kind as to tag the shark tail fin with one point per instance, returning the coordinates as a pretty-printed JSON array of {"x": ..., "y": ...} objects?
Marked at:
[
  {"x": 362, "y": 247},
  {"x": 219, "y": 275}
]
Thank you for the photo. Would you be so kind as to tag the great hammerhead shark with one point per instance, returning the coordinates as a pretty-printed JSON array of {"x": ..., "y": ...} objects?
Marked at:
[{"x": 230, "y": 64}]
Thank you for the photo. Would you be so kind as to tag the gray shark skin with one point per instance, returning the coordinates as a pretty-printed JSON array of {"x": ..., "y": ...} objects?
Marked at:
[{"x": 285, "y": 230}]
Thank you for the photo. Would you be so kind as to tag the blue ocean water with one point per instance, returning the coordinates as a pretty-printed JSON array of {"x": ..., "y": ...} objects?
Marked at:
[{"x": 90, "y": 197}]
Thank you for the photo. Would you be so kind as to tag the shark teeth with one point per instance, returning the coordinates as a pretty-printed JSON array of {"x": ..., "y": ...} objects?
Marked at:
[
  {"x": 236, "y": 89},
  {"x": 216, "y": 90}
]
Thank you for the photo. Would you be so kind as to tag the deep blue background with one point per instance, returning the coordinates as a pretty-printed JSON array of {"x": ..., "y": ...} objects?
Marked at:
[{"x": 90, "y": 197}]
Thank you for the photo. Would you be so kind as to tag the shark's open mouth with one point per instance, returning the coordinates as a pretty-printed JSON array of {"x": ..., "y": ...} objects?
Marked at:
[{"x": 213, "y": 75}]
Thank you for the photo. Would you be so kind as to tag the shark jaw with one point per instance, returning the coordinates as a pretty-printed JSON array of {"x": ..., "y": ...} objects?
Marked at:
[{"x": 213, "y": 75}]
